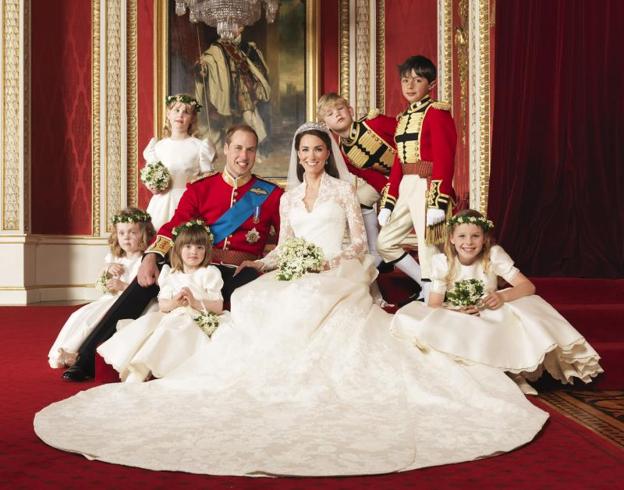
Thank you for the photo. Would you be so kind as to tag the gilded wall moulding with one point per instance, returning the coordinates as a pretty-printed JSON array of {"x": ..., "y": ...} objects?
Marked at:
[
  {"x": 479, "y": 103},
  {"x": 132, "y": 120},
  {"x": 445, "y": 50},
  {"x": 14, "y": 143},
  {"x": 343, "y": 69},
  {"x": 114, "y": 105},
  {"x": 95, "y": 118}
]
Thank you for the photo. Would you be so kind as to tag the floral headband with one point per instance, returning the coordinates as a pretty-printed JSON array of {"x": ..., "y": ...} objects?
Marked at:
[
  {"x": 193, "y": 224},
  {"x": 134, "y": 217},
  {"x": 184, "y": 99},
  {"x": 484, "y": 223}
]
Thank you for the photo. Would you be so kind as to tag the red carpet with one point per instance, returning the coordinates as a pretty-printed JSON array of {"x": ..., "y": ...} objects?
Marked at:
[{"x": 564, "y": 456}]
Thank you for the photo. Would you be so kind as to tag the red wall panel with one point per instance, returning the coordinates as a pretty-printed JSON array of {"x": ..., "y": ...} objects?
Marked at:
[
  {"x": 410, "y": 29},
  {"x": 330, "y": 46},
  {"x": 61, "y": 117},
  {"x": 145, "y": 85}
]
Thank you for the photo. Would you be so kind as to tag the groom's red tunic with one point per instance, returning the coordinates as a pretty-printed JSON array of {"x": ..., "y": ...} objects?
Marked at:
[{"x": 209, "y": 198}]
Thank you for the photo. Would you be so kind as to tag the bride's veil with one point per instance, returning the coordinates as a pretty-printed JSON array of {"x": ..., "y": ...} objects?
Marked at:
[{"x": 344, "y": 174}]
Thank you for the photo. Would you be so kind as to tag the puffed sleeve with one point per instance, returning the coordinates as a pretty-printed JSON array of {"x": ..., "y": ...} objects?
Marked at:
[
  {"x": 150, "y": 151},
  {"x": 211, "y": 283},
  {"x": 207, "y": 154},
  {"x": 502, "y": 264},
  {"x": 439, "y": 273},
  {"x": 166, "y": 288},
  {"x": 109, "y": 259}
]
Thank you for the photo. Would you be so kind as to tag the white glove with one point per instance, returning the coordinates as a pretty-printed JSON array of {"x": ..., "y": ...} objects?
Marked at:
[
  {"x": 435, "y": 216},
  {"x": 384, "y": 216}
]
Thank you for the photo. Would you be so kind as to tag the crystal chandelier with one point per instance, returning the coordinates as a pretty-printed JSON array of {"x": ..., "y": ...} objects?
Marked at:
[{"x": 228, "y": 16}]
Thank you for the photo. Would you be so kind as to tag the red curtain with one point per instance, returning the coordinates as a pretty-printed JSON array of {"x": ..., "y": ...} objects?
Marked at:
[{"x": 557, "y": 174}]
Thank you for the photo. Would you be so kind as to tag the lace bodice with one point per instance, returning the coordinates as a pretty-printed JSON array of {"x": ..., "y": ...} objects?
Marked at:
[
  {"x": 335, "y": 210},
  {"x": 500, "y": 264},
  {"x": 185, "y": 159}
]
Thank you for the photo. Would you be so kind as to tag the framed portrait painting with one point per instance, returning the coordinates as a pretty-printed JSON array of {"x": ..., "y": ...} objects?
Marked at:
[{"x": 267, "y": 77}]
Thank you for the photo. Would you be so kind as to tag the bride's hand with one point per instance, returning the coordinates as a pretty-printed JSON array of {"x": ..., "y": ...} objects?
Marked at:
[{"x": 254, "y": 264}]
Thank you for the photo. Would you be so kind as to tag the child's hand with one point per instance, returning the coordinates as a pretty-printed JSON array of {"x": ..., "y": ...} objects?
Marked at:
[
  {"x": 493, "y": 300},
  {"x": 180, "y": 299},
  {"x": 470, "y": 310},
  {"x": 115, "y": 270},
  {"x": 154, "y": 190},
  {"x": 115, "y": 284}
]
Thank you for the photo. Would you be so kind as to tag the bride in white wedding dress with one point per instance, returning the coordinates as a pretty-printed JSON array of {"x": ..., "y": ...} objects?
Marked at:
[{"x": 306, "y": 379}]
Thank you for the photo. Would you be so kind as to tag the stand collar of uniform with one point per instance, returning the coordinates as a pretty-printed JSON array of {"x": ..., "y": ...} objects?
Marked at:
[
  {"x": 235, "y": 182},
  {"x": 414, "y": 106}
]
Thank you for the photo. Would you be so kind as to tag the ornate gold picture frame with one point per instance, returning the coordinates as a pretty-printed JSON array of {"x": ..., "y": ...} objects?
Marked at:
[{"x": 184, "y": 54}]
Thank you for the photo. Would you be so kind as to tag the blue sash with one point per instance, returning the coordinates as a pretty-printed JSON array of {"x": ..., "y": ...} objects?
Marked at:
[{"x": 249, "y": 204}]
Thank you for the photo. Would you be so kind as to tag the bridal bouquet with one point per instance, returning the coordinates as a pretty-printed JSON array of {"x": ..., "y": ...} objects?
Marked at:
[
  {"x": 100, "y": 284},
  {"x": 467, "y": 292},
  {"x": 208, "y": 322},
  {"x": 298, "y": 257},
  {"x": 156, "y": 176}
]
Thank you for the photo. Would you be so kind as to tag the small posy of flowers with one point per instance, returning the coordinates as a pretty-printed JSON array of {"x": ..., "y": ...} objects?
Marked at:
[
  {"x": 156, "y": 176},
  {"x": 467, "y": 292},
  {"x": 100, "y": 284},
  {"x": 297, "y": 257},
  {"x": 208, "y": 322}
]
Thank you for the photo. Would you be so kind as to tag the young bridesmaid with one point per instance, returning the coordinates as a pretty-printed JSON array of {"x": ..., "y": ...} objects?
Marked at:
[
  {"x": 131, "y": 232},
  {"x": 158, "y": 342},
  {"x": 512, "y": 329},
  {"x": 184, "y": 156}
]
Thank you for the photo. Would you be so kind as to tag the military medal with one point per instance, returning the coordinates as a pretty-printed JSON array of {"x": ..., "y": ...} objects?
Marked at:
[
  {"x": 252, "y": 235},
  {"x": 256, "y": 217}
]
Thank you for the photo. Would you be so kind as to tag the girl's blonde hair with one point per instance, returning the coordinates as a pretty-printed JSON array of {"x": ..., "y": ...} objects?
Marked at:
[
  {"x": 131, "y": 215},
  {"x": 451, "y": 252},
  {"x": 195, "y": 235},
  {"x": 192, "y": 107}
]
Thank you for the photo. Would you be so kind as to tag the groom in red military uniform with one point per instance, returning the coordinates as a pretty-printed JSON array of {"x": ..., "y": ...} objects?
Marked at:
[{"x": 240, "y": 210}]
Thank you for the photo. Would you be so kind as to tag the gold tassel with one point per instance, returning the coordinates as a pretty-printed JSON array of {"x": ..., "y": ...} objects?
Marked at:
[{"x": 436, "y": 234}]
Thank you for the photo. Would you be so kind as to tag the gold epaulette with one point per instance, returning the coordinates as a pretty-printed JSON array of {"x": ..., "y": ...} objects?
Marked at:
[
  {"x": 161, "y": 246},
  {"x": 444, "y": 106},
  {"x": 203, "y": 176},
  {"x": 373, "y": 113}
]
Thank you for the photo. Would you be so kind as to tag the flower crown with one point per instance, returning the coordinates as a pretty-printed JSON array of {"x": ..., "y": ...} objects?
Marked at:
[
  {"x": 484, "y": 223},
  {"x": 184, "y": 99},
  {"x": 134, "y": 217},
  {"x": 193, "y": 224}
]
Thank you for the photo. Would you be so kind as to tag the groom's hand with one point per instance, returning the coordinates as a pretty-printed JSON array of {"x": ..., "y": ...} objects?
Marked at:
[
  {"x": 254, "y": 264},
  {"x": 148, "y": 271}
]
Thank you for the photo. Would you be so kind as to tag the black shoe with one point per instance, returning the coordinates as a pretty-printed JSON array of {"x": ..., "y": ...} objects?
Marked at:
[
  {"x": 415, "y": 296},
  {"x": 384, "y": 267},
  {"x": 76, "y": 373}
]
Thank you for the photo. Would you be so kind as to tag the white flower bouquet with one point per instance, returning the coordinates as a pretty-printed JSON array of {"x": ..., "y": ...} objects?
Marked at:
[
  {"x": 297, "y": 257},
  {"x": 467, "y": 292},
  {"x": 208, "y": 322},
  {"x": 100, "y": 284},
  {"x": 156, "y": 176}
]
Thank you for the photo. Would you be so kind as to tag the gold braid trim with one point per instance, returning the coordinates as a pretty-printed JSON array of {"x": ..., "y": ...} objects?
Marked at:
[
  {"x": 161, "y": 246},
  {"x": 444, "y": 106}
]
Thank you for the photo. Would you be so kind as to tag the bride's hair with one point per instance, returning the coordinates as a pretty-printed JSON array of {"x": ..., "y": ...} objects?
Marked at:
[{"x": 330, "y": 167}]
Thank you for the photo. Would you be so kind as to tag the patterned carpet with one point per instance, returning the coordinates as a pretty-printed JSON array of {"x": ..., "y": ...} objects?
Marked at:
[{"x": 600, "y": 411}]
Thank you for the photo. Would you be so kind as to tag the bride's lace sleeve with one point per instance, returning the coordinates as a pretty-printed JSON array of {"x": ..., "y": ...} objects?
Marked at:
[
  {"x": 269, "y": 262},
  {"x": 358, "y": 245}
]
